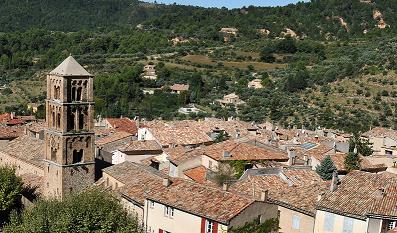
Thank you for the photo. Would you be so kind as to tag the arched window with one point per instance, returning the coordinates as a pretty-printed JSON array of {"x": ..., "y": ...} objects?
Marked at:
[
  {"x": 59, "y": 120},
  {"x": 71, "y": 120},
  {"x": 78, "y": 156},
  {"x": 53, "y": 154},
  {"x": 81, "y": 120},
  {"x": 78, "y": 94},
  {"x": 73, "y": 93},
  {"x": 53, "y": 119}
]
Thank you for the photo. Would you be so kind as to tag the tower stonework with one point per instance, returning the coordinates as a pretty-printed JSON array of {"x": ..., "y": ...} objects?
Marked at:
[{"x": 69, "y": 164}]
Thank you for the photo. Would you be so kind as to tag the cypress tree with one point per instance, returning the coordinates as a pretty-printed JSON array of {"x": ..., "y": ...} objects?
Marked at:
[
  {"x": 352, "y": 162},
  {"x": 326, "y": 168}
]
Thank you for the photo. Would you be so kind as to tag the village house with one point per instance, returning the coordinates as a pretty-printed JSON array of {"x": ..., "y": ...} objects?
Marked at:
[
  {"x": 136, "y": 151},
  {"x": 293, "y": 190},
  {"x": 230, "y": 31},
  {"x": 106, "y": 147},
  {"x": 230, "y": 99},
  {"x": 179, "y": 88},
  {"x": 182, "y": 161},
  {"x": 164, "y": 204},
  {"x": 363, "y": 202},
  {"x": 255, "y": 84},
  {"x": 149, "y": 72},
  {"x": 34, "y": 107}
]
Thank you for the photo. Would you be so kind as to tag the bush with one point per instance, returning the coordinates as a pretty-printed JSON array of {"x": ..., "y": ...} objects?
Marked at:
[{"x": 91, "y": 211}]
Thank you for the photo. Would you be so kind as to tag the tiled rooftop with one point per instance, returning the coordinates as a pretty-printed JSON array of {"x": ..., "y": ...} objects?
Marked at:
[
  {"x": 361, "y": 194},
  {"x": 123, "y": 124},
  {"x": 27, "y": 149},
  {"x": 171, "y": 135},
  {"x": 243, "y": 151},
  {"x": 381, "y": 132},
  {"x": 141, "y": 146},
  {"x": 11, "y": 132},
  {"x": 113, "y": 138},
  {"x": 201, "y": 200},
  {"x": 197, "y": 174},
  {"x": 292, "y": 188}
]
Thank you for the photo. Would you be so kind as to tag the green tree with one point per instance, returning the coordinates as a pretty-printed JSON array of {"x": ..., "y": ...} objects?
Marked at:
[
  {"x": 90, "y": 211},
  {"x": 10, "y": 191},
  {"x": 363, "y": 146},
  {"x": 352, "y": 161},
  {"x": 326, "y": 168}
]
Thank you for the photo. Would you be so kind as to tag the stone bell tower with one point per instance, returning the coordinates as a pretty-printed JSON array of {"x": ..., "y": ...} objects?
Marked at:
[{"x": 69, "y": 164}]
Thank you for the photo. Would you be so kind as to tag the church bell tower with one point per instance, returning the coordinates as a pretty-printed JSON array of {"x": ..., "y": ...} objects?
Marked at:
[{"x": 69, "y": 164}]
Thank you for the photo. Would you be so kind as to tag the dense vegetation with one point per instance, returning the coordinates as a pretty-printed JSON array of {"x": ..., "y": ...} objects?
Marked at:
[
  {"x": 329, "y": 75},
  {"x": 10, "y": 192},
  {"x": 90, "y": 211}
]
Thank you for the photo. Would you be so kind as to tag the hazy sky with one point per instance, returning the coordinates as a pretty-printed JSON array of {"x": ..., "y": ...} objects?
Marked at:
[{"x": 229, "y": 3}]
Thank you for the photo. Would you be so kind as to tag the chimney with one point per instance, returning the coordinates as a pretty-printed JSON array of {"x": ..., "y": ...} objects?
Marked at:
[
  {"x": 166, "y": 182},
  {"x": 334, "y": 181},
  {"x": 291, "y": 156},
  {"x": 12, "y": 115},
  {"x": 320, "y": 196},
  {"x": 225, "y": 187},
  {"x": 264, "y": 195}
]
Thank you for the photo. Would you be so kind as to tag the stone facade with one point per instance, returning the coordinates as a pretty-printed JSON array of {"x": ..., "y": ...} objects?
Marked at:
[{"x": 69, "y": 163}]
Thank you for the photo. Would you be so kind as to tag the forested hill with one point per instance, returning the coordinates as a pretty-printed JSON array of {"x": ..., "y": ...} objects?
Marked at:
[{"x": 317, "y": 19}]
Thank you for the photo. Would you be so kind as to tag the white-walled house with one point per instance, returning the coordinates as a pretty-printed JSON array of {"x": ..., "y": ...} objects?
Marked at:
[
  {"x": 164, "y": 204},
  {"x": 362, "y": 203},
  {"x": 183, "y": 206}
]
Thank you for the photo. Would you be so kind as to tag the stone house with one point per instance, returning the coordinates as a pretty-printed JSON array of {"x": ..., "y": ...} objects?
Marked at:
[
  {"x": 230, "y": 99},
  {"x": 179, "y": 88}
]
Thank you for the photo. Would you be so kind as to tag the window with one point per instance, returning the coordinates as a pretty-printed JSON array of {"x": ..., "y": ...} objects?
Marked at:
[
  {"x": 168, "y": 211},
  {"x": 348, "y": 225},
  {"x": 209, "y": 225},
  {"x": 391, "y": 225},
  {"x": 329, "y": 222},
  {"x": 296, "y": 222},
  {"x": 78, "y": 156}
]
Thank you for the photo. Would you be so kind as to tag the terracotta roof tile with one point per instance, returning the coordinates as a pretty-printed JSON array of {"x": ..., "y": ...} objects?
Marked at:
[
  {"x": 113, "y": 137},
  {"x": 211, "y": 203},
  {"x": 27, "y": 149},
  {"x": 141, "y": 146},
  {"x": 243, "y": 151},
  {"x": 292, "y": 188},
  {"x": 197, "y": 174},
  {"x": 361, "y": 194},
  {"x": 381, "y": 132},
  {"x": 11, "y": 132},
  {"x": 36, "y": 126},
  {"x": 184, "y": 136},
  {"x": 123, "y": 124}
]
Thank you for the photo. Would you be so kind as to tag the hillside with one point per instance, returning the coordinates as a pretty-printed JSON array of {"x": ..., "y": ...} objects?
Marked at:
[
  {"x": 317, "y": 19},
  {"x": 326, "y": 73}
]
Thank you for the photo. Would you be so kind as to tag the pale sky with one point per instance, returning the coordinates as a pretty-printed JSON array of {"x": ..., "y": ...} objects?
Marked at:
[{"x": 228, "y": 3}]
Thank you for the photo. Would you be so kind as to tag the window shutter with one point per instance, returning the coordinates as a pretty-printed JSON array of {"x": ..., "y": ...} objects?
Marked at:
[
  {"x": 215, "y": 227},
  {"x": 202, "y": 225}
]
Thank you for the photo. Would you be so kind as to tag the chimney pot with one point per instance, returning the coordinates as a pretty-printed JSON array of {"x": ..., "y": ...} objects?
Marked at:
[
  {"x": 225, "y": 187},
  {"x": 166, "y": 182},
  {"x": 264, "y": 195},
  {"x": 334, "y": 181}
]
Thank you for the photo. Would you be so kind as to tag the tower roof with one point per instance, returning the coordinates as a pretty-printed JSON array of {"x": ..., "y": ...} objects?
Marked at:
[{"x": 70, "y": 67}]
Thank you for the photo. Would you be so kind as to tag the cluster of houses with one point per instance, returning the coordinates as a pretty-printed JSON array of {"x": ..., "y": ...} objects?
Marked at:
[{"x": 208, "y": 176}]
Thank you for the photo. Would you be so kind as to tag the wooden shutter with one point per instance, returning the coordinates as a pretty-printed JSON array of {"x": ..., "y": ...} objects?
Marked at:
[{"x": 214, "y": 227}]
